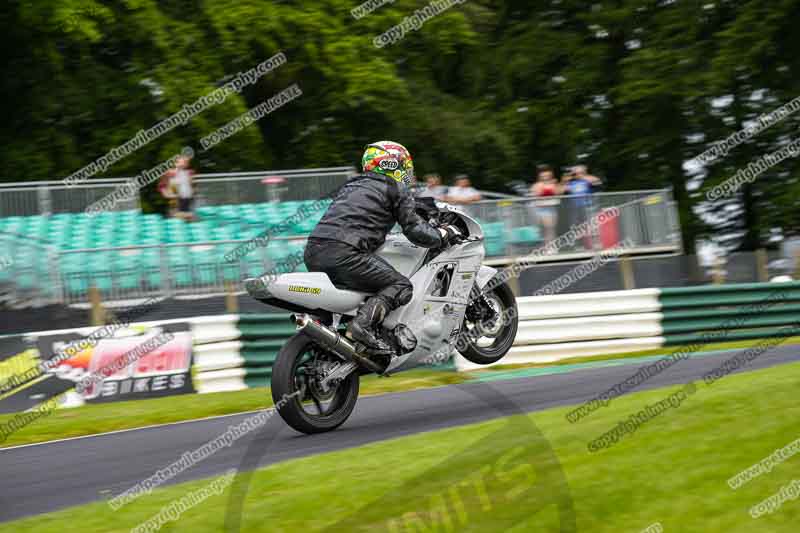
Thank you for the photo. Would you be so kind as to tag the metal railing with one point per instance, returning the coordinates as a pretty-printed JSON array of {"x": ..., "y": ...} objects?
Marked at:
[
  {"x": 248, "y": 187},
  {"x": 52, "y": 197},
  {"x": 515, "y": 227}
]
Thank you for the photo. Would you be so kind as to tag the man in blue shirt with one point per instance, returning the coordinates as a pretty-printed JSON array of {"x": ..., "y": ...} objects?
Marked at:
[{"x": 578, "y": 184}]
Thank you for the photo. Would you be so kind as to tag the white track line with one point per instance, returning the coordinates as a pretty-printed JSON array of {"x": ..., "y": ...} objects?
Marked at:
[{"x": 167, "y": 424}]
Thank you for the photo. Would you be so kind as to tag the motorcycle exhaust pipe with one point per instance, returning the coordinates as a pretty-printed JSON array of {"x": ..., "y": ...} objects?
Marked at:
[{"x": 335, "y": 342}]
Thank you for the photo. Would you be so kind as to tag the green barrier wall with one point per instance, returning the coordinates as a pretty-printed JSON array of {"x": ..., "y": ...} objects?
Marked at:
[
  {"x": 715, "y": 313},
  {"x": 262, "y": 337}
]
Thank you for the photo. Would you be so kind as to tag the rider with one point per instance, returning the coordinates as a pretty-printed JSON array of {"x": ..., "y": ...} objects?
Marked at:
[{"x": 355, "y": 225}]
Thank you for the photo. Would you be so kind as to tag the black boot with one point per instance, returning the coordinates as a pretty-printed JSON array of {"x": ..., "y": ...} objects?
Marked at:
[{"x": 362, "y": 328}]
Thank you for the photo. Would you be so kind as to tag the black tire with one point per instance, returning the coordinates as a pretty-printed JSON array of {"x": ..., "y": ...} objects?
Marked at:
[
  {"x": 286, "y": 391},
  {"x": 486, "y": 355}
]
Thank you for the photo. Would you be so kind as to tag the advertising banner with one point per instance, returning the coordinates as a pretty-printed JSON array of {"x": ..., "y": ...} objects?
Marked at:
[{"x": 131, "y": 363}]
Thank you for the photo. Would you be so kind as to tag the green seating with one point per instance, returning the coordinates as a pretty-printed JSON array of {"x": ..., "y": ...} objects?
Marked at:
[
  {"x": 134, "y": 268},
  {"x": 524, "y": 235},
  {"x": 494, "y": 234}
]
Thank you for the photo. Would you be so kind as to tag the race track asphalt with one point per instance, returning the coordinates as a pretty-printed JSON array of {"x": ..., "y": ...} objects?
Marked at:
[{"x": 45, "y": 477}]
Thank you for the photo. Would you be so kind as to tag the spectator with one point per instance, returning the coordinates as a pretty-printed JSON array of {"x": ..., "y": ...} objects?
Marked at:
[
  {"x": 546, "y": 208},
  {"x": 168, "y": 193},
  {"x": 182, "y": 179},
  {"x": 433, "y": 187},
  {"x": 582, "y": 181},
  {"x": 578, "y": 184},
  {"x": 462, "y": 191}
]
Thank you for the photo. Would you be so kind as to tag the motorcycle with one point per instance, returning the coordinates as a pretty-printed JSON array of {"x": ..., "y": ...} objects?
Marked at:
[{"x": 315, "y": 377}]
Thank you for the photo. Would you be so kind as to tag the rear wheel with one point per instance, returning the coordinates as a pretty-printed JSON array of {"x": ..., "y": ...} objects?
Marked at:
[
  {"x": 487, "y": 340},
  {"x": 299, "y": 394}
]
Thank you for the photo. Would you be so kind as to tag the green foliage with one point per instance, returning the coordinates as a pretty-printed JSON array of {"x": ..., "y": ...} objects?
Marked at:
[{"x": 490, "y": 88}]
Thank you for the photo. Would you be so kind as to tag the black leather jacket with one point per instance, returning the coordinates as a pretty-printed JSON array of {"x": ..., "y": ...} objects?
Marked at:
[{"x": 366, "y": 208}]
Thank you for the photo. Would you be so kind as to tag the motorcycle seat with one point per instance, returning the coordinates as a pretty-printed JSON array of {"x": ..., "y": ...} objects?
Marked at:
[
  {"x": 309, "y": 289},
  {"x": 339, "y": 287}
]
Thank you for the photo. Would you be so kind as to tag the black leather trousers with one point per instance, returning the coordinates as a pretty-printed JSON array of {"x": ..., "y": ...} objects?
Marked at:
[{"x": 349, "y": 268}]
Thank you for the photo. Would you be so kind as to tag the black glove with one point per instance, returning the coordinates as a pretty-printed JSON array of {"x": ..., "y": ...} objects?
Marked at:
[{"x": 450, "y": 234}]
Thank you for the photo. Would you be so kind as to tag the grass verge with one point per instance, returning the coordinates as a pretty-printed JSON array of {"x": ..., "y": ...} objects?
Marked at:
[{"x": 504, "y": 475}]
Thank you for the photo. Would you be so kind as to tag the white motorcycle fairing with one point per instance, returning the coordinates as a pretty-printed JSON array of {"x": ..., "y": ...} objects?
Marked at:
[
  {"x": 435, "y": 315},
  {"x": 442, "y": 288}
]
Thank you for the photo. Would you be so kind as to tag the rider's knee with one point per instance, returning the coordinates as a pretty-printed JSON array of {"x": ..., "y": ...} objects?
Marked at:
[{"x": 405, "y": 294}]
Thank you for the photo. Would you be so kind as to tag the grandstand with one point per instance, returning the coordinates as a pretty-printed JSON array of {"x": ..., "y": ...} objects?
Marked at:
[{"x": 57, "y": 257}]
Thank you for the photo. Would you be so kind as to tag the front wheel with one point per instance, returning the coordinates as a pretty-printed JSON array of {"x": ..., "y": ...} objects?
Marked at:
[
  {"x": 487, "y": 340},
  {"x": 297, "y": 390}
]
